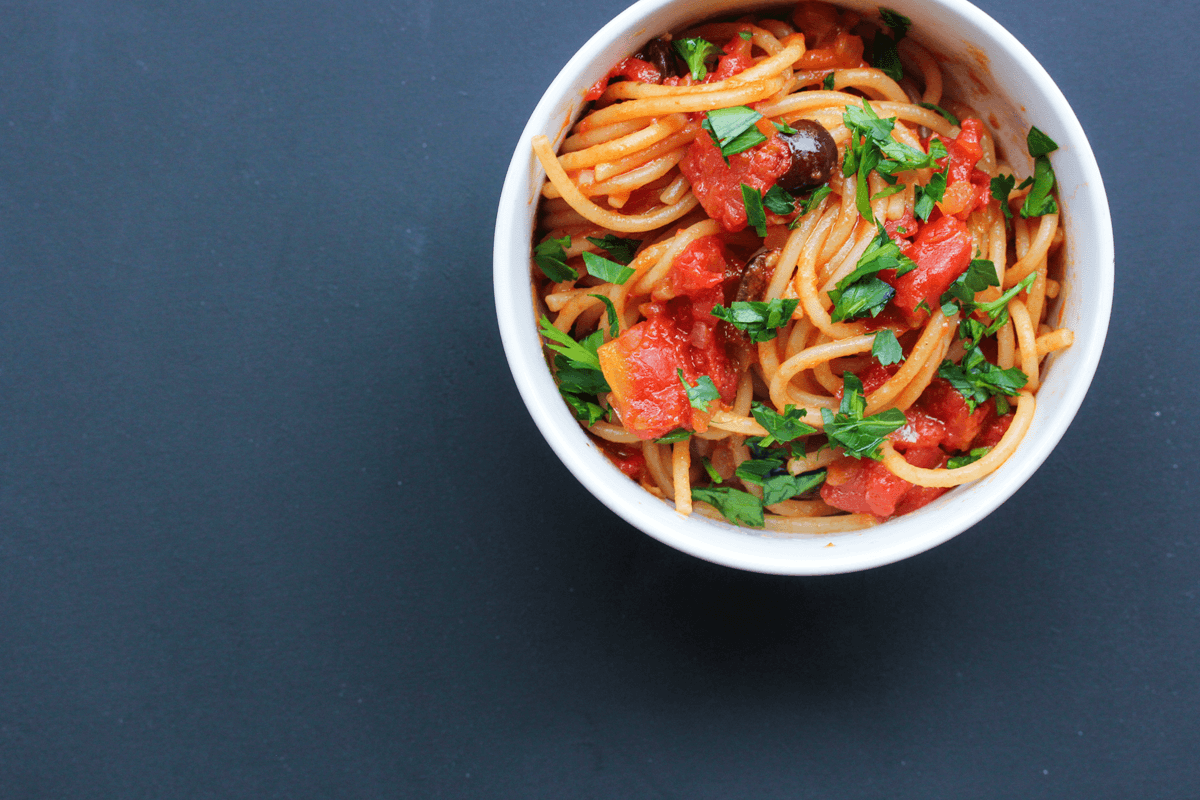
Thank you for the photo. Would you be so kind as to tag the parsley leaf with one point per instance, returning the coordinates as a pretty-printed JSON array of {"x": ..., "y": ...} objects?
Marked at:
[
  {"x": 953, "y": 120},
  {"x": 733, "y": 129},
  {"x": 677, "y": 435},
  {"x": 1002, "y": 186},
  {"x": 1039, "y": 144},
  {"x": 783, "y": 127},
  {"x": 827, "y": 84},
  {"x": 1039, "y": 202},
  {"x": 695, "y": 52},
  {"x": 883, "y": 56},
  {"x": 979, "y": 275},
  {"x": 577, "y": 371},
  {"x": 873, "y": 148},
  {"x": 998, "y": 308},
  {"x": 713, "y": 475},
  {"x": 760, "y": 320},
  {"x": 896, "y": 21},
  {"x": 888, "y": 191},
  {"x": 977, "y": 379},
  {"x": 700, "y": 395},
  {"x": 740, "y": 508},
  {"x": 781, "y": 428},
  {"x": 811, "y": 202},
  {"x": 886, "y": 347},
  {"x": 930, "y": 194},
  {"x": 552, "y": 259},
  {"x": 861, "y": 293},
  {"x": 619, "y": 249},
  {"x": 755, "y": 215},
  {"x": 967, "y": 458},
  {"x": 778, "y": 201},
  {"x": 859, "y": 436},
  {"x": 580, "y": 354},
  {"x": 866, "y": 297},
  {"x": 614, "y": 323},
  {"x": 610, "y": 271},
  {"x": 778, "y": 485}
]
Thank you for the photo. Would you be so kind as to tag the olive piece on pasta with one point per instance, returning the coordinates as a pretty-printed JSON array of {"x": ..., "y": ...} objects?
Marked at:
[
  {"x": 814, "y": 155},
  {"x": 662, "y": 55}
]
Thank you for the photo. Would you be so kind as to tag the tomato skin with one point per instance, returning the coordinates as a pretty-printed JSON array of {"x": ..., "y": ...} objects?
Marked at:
[
  {"x": 718, "y": 186},
  {"x": 866, "y": 487},
  {"x": 993, "y": 429},
  {"x": 629, "y": 460},
  {"x": 967, "y": 188},
  {"x": 736, "y": 59},
  {"x": 941, "y": 400},
  {"x": 942, "y": 251},
  {"x": 701, "y": 266},
  {"x": 631, "y": 68}
]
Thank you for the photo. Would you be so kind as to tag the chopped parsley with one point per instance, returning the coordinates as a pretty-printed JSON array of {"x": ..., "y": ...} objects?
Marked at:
[
  {"x": 779, "y": 201},
  {"x": 862, "y": 293},
  {"x": 811, "y": 202},
  {"x": 619, "y": 249},
  {"x": 963, "y": 459},
  {"x": 783, "y": 127},
  {"x": 781, "y": 428},
  {"x": 577, "y": 371},
  {"x": 977, "y": 379},
  {"x": 700, "y": 395},
  {"x": 886, "y": 347},
  {"x": 979, "y": 275},
  {"x": 828, "y": 83},
  {"x": 755, "y": 215},
  {"x": 888, "y": 191},
  {"x": 614, "y": 322},
  {"x": 677, "y": 435},
  {"x": 858, "y": 435},
  {"x": 609, "y": 271},
  {"x": 713, "y": 475},
  {"x": 733, "y": 129},
  {"x": 1038, "y": 143},
  {"x": 740, "y": 508},
  {"x": 551, "y": 258},
  {"x": 696, "y": 52},
  {"x": 761, "y": 320},
  {"x": 1039, "y": 202},
  {"x": 1002, "y": 186},
  {"x": 872, "y": 148},
  {"x": 930, "y": 194},
  {"x": 776, "y": 482}
]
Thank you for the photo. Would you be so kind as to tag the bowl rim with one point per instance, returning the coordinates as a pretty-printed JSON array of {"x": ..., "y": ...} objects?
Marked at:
[{"x": 721, "y": 542}]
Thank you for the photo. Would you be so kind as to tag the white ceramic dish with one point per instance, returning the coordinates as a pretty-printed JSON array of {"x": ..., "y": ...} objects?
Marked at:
[{"x": 986, "y": 67}]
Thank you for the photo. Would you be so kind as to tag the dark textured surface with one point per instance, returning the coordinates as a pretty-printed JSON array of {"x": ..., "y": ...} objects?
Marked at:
[{"x": 274, "y": 523}]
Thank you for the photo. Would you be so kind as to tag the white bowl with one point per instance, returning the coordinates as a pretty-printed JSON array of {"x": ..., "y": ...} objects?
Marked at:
[{"x": 989, "y": 69}]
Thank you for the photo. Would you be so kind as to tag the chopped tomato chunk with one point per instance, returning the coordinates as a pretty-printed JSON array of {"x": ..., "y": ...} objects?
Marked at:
[
  {"x": 633, "y": 69},
  {"x": 642, "y": 365},
  {"x": 941, "y": 400},
  {"x": 866, "y": 487},
  {"x": 718, "y": 185},
  {"x": 736, "y": 59},
  {"x": 967, "y": 188},
  {"x": 942, "y": 250}
]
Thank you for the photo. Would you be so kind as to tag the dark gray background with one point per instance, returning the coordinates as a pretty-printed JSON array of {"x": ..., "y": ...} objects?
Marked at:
[{"x": 274, "y": 522}]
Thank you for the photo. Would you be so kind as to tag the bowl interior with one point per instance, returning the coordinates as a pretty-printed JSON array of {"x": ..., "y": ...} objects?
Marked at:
[{"x": 984, "y": 66}]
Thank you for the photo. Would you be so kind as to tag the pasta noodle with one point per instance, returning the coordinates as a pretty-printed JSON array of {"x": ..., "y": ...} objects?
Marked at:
[{"x": 783, "y": 285}]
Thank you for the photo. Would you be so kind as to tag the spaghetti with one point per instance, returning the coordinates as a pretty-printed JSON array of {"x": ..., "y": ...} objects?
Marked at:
[{"x": 786, "y": 281}]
